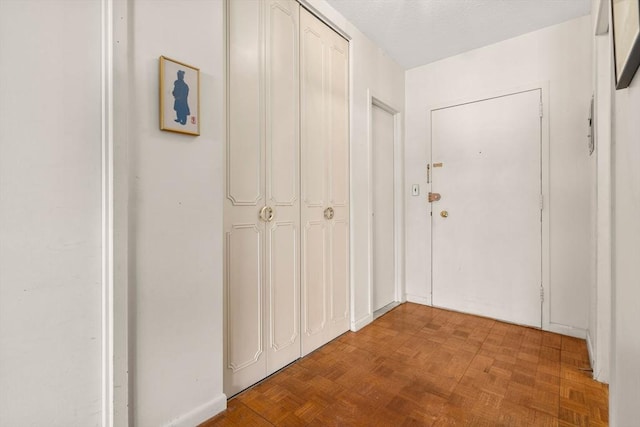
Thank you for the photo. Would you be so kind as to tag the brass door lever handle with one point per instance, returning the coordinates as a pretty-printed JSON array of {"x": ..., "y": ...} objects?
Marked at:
[{"x": 434, "y": 197}]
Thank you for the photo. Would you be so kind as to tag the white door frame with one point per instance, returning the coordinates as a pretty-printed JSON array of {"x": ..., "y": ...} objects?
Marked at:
[
  {"x": 398, "y": 196},
  {"x": 599, "y": 340},
  {"x": 115, "y": 365},
  {"x": 482, "y": 96}
]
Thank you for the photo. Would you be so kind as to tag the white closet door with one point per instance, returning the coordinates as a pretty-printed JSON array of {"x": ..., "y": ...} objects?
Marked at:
[
  {"x": 282, "y": 183},
  {"x": 262, "y": 284},
  {"x": 325, "y": 182},
  {"x": 245, "y": 361},
  {"x": 338, "y": 183}
]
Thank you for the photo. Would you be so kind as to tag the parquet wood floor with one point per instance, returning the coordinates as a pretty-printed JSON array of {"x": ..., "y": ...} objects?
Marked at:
[{"x": 423, "y": 366}]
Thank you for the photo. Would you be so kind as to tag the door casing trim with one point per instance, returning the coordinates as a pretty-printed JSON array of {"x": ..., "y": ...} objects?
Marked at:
[{"x": 398, "y": 215}]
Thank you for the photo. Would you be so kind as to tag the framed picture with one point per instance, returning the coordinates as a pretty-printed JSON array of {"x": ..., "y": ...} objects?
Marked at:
[
  {"x": 179, "y": 97},
  {"x": 626, "y": 39}
]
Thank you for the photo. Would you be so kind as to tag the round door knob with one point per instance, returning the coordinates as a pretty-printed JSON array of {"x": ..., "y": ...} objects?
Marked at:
[
  {"x": 266, "y": 213},
  {"x": 329, "y": 213},
  {"x": 444, "y": 214}
]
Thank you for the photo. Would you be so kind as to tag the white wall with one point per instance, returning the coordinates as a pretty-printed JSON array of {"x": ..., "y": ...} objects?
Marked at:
[
  {"x": 50, "y": 213},
  {"x": 176, "y": 207},
  {"x": 560, "y": 55},
  {"x": 622, "y": 112},
  {"x": 600, "y": 308},
  {"x": 373, "y": 71},
  {"x": 625, "y": 371},
  {"x": 625, "y": 393},
  {"x": 50, "y": 199},
  {"x": 176, "y": 220},
  {"x": 176, "y": 211},
  {"x": 170, "y": 213},
  {"x": 593, "y": 211}
]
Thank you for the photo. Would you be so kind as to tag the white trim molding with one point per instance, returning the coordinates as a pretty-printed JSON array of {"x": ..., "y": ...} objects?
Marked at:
[
  {"x": 419, "y": 299},
  {"x": 116, "y": 408},
  {"x": 356, "y": 325},
  {"x": 200, "y": 414},
  {"x": 571, "y": 331},
  {"x": 590, "y": 350},
  {"x": 321, "y": 16},
  {"x": 602, "y": 18},
  {"x": 107, "y": 214}
]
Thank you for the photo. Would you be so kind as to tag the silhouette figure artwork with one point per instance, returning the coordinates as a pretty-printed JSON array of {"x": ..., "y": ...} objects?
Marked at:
[{"x": 180, "y": 94}]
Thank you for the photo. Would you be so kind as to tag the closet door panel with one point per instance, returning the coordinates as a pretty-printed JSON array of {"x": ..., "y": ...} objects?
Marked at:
[
  {"x": 244, "y": 270},
  {"x": 314, "y": 168},
  {"x": 339, "y": 122},
  {"x": 282, "y": 104},
  {"x": 313, "y": 118},
  {"x": 245, "y": 138},
  {"x": 244, "y": 315},
  {"x": 325, "y": 182},
  {"x": 314, "y": 286},
  {"x": 339, "y": 281},
  {"x": 338, "y": 178},
  {"x": 283, "y": 298},
  {"x": 283, "y": 181}
]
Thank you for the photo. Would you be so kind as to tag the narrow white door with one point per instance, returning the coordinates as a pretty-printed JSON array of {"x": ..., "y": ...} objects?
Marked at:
[
  {"x": 261, "y": 212},
  {"x": 244, "y": 358},
  {"x": 382, "y": 127},
  {"x": 486, "y": 228},
  {"x": 282, "y": 182},
  {"x": 324, "y": 63}
]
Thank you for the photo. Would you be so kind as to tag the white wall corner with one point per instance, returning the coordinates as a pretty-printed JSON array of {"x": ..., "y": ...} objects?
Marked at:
[
  {"x": 201, "y": 413},
  {"x": 403, "y": 294},
  {"x": 418, "y": 299},
  {"x": 568, "y": 330},
  {"x": 602, "y": 17},
  {"x": 356, "y": 325},
  {"x": 600, "y": 373},
  {"x": 591, "y": 350}
]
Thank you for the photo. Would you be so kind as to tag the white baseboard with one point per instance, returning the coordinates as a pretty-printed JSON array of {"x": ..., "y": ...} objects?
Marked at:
[
  {"x": 361, "y": 323},
  {"x": 201, "y": 413},
  {"x": 568, "y": 330},
  {"x": 419, "y": 299}
]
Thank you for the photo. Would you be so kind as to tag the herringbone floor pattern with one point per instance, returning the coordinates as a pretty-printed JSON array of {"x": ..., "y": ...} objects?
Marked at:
[{"x": 424, "y": 366}]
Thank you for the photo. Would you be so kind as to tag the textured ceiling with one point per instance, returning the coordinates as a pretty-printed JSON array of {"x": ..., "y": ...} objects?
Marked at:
[{"x": 417, "y": 32}]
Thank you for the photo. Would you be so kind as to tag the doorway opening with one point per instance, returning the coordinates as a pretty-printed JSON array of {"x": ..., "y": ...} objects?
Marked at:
[{"x": 385, "y": 154}]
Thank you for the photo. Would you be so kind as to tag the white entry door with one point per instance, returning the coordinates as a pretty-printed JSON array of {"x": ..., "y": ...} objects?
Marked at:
[
  {"x": 382, "y": 126},
  {"x": 486, "y": 228}
]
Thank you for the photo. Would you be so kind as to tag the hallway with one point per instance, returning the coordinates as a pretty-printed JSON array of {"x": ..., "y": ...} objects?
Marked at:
[{"x": 419, "y": 365}]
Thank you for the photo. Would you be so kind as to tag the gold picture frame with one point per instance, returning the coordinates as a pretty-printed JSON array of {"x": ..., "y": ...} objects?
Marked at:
[
  {"x": 179, "y": 97},
  {"x": 626, "y": 40}
]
